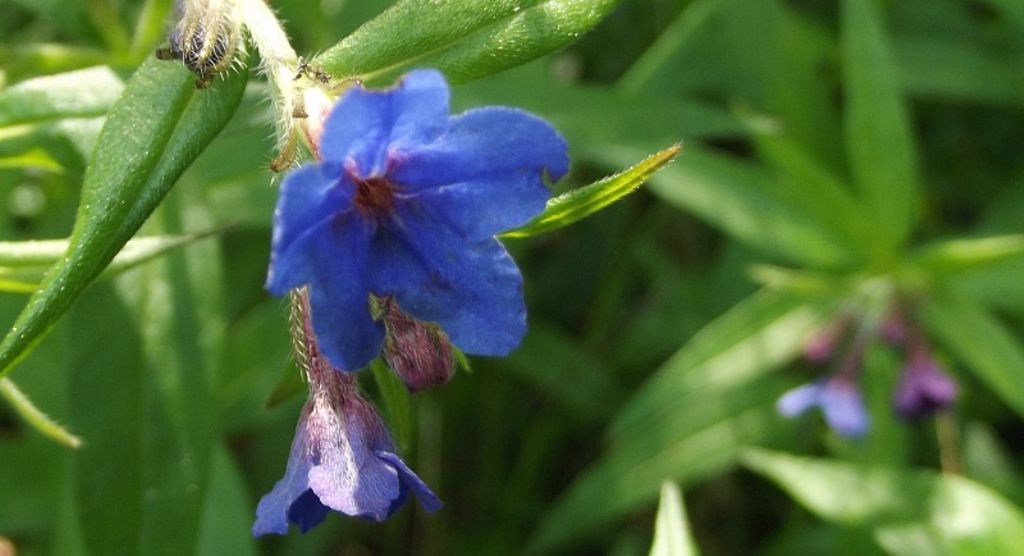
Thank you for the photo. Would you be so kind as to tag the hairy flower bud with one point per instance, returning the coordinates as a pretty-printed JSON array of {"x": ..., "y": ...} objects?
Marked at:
[
  {"x": 419, "y": 353},
  {"x": 206, "y": 38}
]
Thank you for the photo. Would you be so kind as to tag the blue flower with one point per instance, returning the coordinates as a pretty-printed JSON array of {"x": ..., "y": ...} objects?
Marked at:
[
  {"x": 839, "y": 399},
  {"x": 342, "y": 459},
  {"x": 404, "y": 204},
  {"x": 924, "y": 388}
]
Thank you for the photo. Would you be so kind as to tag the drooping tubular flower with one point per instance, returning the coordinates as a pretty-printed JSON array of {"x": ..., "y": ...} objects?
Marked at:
[
  {"x": 342, "y": 458},
  {"x": 404, "y": 204}
]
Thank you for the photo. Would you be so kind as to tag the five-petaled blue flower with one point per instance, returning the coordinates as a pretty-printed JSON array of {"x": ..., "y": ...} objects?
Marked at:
[
  {"x": 839, "y": 399},
  {"x": 404, "y": 204},
  {"x": 342, "y": 459}
]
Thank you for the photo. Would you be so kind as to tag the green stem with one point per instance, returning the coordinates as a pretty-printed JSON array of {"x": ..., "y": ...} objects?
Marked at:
[
  {"x": 35, "y": 417},
  {"x": 109, "y": 25},
  {"x": 149, "y": 27}
]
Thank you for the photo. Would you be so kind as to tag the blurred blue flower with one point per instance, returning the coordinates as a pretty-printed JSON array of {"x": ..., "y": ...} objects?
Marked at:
[
  {"x": 839, "y": 399},
  {"x": 342, "y": 459},
  {"x": 405, "y": 204},
  {"x": 924, "y": 388}
]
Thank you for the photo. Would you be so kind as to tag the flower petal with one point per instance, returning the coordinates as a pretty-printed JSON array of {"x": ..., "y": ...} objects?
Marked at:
[
  {"x": 473, "y": 290},
  {"x": 485, "y": 181},
  {"x": 309, "y": 196},
  {"x": 349, "y": 477},
  {"x": 366, "y": 124},
  {"x": 799, "y": 400},
  {"x": 331, "y": 259},
  {"x": 484, "y": 144},
  {"x": 278, "y": 507},
  {"x": 411, "y": 480},
  {"x": 844, "y": 409}
]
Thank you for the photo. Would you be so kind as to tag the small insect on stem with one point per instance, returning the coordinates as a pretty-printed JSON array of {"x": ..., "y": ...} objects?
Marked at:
[{"x": 311, "y": 72}]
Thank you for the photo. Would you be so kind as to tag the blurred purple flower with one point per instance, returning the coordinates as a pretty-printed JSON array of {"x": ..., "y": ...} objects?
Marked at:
[
  {"x": 342, "y": 459},
  {"x": 924, "y": 388},
  {"x": 839, "y": 399},
  {"x": 405, "y": 204}
]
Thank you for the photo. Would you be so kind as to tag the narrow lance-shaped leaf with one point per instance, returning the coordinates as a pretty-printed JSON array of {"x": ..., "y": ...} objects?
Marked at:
[
  {"x": 671, "y": 530},
  {"x": 35, "y": 417},
  {"x": 878, "y": 136},
  {"x": 76, "y": 94},
  {"x": 691, "y": 418},
  {"x": 577, "y": 204},
  {"x": 981, "y": 343},
  {"x": 45, "y": 252},
  {"x": 911, "y": 511},
  {"x": 964, "y": 255},
  {"x": 466, "y": 39},
  {"x": 152, "y": 134}
]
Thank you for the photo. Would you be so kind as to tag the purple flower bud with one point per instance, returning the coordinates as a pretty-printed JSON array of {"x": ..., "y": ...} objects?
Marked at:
[
  {"x": 820, "y": 346},
  {"x": 839, "y": 399},
  {"x": 924, "y": 388},
  {"x": 418, "y": 352},
  {"x": 893, "y": 329},
  {"x": 342, "y": 459}
]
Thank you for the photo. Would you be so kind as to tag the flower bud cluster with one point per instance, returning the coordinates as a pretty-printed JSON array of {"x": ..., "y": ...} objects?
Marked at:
[
  {"x": 924, "y": 388},
  {"x": 207, "y": 38}
]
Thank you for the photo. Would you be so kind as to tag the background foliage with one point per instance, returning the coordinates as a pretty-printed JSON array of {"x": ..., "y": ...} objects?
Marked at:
[{"x": 835, "y": 152}]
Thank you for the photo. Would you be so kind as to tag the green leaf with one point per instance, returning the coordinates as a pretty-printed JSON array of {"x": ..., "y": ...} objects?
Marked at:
[
  {"x": 911, "y": 512},
  {"x": 981, "y": 343},
  {"x": 879, "y": 142},
  {"x": 34, "y": 158},
  {"x": 396, "y": 402},
  {"x": 76, "y": 94},
  {"x": 35, "y": 418},
  {"x": 21, "y": 61},
  {"x": 152, "y": 134},
  {"x": 700, "y": 438},
  {"x": 24, "y": 258},
  {"x": 692, "y": 417},
  {"x": 227, "y": 510},
  {"x": 671, "y": 530},
  {"x": 465, "y": 39},
  {"x": 578, "y": 204},
  {"x": 965, "y": 255},
  {"x": 107, "y": 405},
  {"x": 758, "y": 334},
  {"x": 743, "y": 200},
  {"x": 288, "y": 386},
  {"x": 588, "y": 114},
  {"x": 946, "y": 68}
]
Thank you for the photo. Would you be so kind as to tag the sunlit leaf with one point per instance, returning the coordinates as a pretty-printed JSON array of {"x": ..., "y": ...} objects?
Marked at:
[
  {"x": 579, "y": 203},
  {"x": 965, "y": 255},
  {"x": 979, "y": 341},
  {"x": 911, "y": 511},
  {"x": 153, "y": 133},
  {"x": 464, "y": 38},
  {"x": 758, "y": 334},
  {"x": 690, "y": 420},
  {"x": 745, "y": 201},
  {"x": 878, "y": 135},
  {"x": 671, "y": 529},
  {"x": 76, "y": 94}
]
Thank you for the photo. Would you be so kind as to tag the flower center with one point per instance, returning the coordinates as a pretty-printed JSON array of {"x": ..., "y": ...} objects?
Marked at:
[{"x": 374, "y": 196}]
